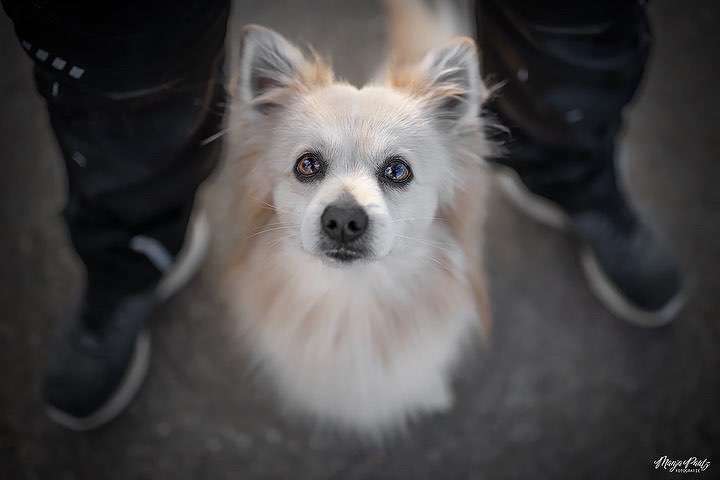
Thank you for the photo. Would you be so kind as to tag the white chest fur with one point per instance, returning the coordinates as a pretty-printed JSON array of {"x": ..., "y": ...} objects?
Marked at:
[{"x": 364, "y": 347}]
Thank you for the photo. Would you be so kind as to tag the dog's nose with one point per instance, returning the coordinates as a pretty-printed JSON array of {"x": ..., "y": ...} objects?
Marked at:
[{"x": 344, "y": 223}]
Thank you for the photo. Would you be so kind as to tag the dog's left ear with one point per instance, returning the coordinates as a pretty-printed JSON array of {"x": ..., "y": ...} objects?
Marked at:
[
  {"x": 270, "y": 67},
  {"x": 452, "y": 85}
]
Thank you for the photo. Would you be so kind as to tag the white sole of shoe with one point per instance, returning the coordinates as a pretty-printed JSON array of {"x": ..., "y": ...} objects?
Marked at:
[
  {"x": 604, "y": 289},
  {"x": 129, "y": 386},
  {"x": 537, "y": 208},
  {"x": 547, "y": 214},
  {"x": 189, "y": 259}
]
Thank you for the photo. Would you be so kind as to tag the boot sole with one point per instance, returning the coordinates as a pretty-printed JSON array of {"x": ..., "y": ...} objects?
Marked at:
[
  {"x": 546, "y": 213},
  {"x": 188, "y": 260}
]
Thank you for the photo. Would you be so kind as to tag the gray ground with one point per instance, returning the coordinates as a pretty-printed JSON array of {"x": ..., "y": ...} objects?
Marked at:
[{"x": 563, "y": 390}]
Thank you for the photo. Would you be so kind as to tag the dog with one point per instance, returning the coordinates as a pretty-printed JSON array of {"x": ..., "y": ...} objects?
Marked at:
[{"x": 360, "y": 282}]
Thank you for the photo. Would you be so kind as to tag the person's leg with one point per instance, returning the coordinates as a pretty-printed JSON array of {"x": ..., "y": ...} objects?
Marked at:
[
  {"x": 135, "y": 94},
  {"x": 567, "y": 70}
]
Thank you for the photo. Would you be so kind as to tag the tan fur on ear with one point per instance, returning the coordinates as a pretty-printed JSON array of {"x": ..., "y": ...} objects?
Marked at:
[
  {"x": 412, "y": 81},
  {"x": 315, "y": 73},
  {"x": 446, "y": 79}
]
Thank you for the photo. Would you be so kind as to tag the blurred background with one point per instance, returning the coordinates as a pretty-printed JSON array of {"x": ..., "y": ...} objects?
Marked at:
[{"x": 562, "y": 390}]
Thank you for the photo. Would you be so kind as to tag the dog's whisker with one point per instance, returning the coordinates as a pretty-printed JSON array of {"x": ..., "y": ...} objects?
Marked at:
[
  {"x": 425, "y": 241},
  {"x": 441, "y": 245},
  {"x": 444, "y": 266},
  {"x": 275, "y": 224},
  {"x": 277, "y": 244},
  {"x": 273, "y": 229},
  {"x": 271, "y": 206},
  {"x": 409, "y": 219},
  {"x": 214, "y": 137}
]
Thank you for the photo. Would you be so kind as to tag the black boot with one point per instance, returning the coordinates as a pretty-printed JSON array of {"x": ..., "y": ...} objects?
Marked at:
[
  {"x": 99, "y": 361},
  {"x": 568, "y": 69},
  {"x": 627, "y": 265}
]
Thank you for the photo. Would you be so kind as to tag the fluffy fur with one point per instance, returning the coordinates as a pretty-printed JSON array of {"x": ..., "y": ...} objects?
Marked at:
[{"x": 370, "y": 344}]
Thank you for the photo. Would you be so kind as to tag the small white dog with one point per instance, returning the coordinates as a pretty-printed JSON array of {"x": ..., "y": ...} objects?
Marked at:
[{"x": 361, "y": 277}]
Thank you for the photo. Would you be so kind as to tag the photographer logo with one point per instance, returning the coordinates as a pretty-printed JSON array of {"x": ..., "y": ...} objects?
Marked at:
[{"x": 687, "y": 465}]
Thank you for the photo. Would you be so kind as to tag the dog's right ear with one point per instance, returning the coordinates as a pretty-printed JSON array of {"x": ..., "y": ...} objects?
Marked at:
[
  {"x": 270, "y": 67},
  {"x": 268, "y": 63}
]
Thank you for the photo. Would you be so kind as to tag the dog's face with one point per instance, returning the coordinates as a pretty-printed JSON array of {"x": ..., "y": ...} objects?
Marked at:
[
  {"x": 356, "y": 174},
  {"x": 357, "y": 171}
]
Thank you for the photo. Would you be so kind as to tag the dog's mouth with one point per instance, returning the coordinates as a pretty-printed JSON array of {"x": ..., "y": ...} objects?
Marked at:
[{"x": 344, "y": 254}]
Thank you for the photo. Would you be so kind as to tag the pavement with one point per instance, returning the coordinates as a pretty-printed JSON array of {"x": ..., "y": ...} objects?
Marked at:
[{"x": 563, "y": 390}]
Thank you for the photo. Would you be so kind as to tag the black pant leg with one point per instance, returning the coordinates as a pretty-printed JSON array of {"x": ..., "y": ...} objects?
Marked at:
[
  {"x": 132, "y": 95},
  {"x": 568, "y": 69}
]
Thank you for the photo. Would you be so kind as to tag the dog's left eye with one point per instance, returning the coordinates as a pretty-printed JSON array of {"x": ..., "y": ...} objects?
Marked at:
[
  {"x": 308, "y": 166},
  {"x": 397, "y": 171}
]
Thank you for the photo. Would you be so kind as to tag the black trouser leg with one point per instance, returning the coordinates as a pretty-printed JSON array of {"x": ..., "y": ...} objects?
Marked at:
[
  {"x": 132, "y": 92},
  {"x": 568, "y": 69}
]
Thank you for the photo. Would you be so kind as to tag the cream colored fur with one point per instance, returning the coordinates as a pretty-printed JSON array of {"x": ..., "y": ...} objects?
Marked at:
[{"x": 369, "y": 345}]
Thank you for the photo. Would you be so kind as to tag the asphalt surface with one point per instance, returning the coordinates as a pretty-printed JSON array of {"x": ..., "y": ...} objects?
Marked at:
[{"x": 562, "y": 391}]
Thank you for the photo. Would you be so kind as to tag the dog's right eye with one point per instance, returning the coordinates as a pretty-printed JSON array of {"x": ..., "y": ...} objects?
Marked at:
[{"x": 308, "y": 167}]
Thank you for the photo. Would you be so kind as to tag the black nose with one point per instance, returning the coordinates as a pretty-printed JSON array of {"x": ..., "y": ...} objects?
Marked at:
[{"x": 344, "y": 223}]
